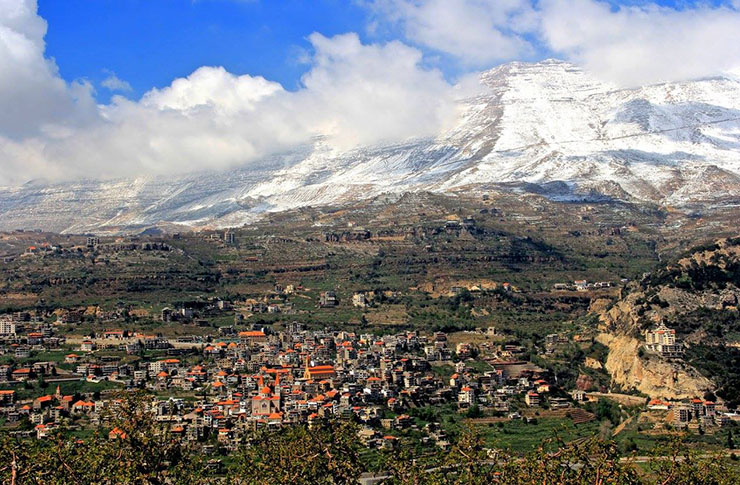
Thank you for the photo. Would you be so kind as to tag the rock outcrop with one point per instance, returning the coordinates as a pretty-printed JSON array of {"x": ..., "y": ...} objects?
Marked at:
[
  {"x": 650, "y": 374},
  {"x": 706, "y": 279}
]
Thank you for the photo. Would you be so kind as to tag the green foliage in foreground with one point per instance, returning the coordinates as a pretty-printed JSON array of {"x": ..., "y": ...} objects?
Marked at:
[{"x": 330, "y": 454}]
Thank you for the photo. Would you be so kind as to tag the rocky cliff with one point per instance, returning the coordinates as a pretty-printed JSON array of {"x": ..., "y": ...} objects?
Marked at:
[
  {"x": 697, "y": 295},
  {"x": 650, "y": 374}
]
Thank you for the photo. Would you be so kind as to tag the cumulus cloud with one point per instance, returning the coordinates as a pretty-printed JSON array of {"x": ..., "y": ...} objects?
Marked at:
[
  {"x": 352, "y": 93},
  {"x": 635, "y": 44},
  {"x": 114, "y": 83},
  {"x": 362, "y": 94},
  {"x": 629, "y": 44},
  {"x": 33, "y": 97},
  {"x": 212, "y": 119},
  {"x": 477, "y": 32}
]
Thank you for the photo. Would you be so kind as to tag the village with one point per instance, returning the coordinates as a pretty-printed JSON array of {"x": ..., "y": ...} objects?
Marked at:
[
  {"x": 215, "y": 389},
  {"x": 412, "y": 332}
]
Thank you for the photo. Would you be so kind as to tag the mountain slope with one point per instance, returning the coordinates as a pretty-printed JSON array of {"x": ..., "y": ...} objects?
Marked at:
[
  {"x": 548, "y": 123},
  {"x": 697, "y": 296}
]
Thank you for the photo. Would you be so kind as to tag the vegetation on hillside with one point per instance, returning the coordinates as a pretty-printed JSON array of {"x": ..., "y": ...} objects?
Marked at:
[{"x": 132, "y": 448}]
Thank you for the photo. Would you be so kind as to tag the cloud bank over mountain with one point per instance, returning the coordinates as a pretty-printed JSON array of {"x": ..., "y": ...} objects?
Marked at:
[{"x": 352, "y": 94}]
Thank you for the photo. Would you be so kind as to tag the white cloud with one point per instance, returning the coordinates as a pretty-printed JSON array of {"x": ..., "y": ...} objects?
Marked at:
[
  {"x": 114, "y": 83},
  {"x": 629, "y": 44},
  {"x": 33, "y": 98},
  {"x": 361, "y": 94},
  {"x": 211, "y": 88},
  {"x": 352, "y": 94},
  {"x": 634, "y": 45},
  {"x": 212, "y": 119},
  {"x": 477, "y": 32}
]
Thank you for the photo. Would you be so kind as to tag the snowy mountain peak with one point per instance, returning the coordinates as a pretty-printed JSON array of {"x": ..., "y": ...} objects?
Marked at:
[{"x": 531, "y": 123}]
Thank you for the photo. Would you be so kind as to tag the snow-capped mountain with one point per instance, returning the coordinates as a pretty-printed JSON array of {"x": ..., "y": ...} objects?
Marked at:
[{"x": 547, "y": 123}]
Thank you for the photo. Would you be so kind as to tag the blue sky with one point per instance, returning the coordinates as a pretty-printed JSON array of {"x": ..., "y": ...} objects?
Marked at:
[
  {"x": 148, "y": 43},
  {"x": 151, "y": 42}
]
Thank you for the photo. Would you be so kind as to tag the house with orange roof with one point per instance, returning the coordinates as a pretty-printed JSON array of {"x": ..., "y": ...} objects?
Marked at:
[
  {"x": 532, "y": 399},
  {"x": 116, "y": 434},
  {"x": 212, "y": 351},
  {"x": 44, "y": 430},
  {"x": 114, "y": 334},
  {"x": 22, "y": 374},
  {"x": 43, "y": 402},
  {"x": 253, "y": 336},
  {"x": 658, "y": 405},
  {"x": 83, "y": 407},
  {"x": 7, "y": 397}
]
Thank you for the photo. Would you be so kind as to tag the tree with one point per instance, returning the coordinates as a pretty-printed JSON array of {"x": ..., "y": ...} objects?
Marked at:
[
  {"x": 328, "y": 454},
  {"x": 676, "y": 464},
  {"x": 474, "y": 412},
  {"x": 594, "y": 461},
  {"x": 143, "y": 453}
]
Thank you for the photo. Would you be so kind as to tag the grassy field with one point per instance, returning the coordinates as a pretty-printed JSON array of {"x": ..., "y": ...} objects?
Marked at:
[
  {"x": 520, "y": 437},
  {"x": 31, "y": 389}
]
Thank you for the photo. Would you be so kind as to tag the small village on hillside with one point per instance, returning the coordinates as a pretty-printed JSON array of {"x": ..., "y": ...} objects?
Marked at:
[
  {"x": 411, "y": 334},
  {"x": 215, "y": 389}
]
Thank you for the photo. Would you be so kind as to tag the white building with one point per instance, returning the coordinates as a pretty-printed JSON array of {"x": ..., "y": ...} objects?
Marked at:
[
  {"x": 359, "y": 300},
  {"x": 88, "y": 346},
  {"x": 663, "y": 341},
  {"x": 7, "y": 327},
  {"x": 466, "y": 396}
]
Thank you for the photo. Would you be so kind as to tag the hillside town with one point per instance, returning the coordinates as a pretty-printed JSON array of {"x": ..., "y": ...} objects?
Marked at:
[{"x": 216, "y": 390}]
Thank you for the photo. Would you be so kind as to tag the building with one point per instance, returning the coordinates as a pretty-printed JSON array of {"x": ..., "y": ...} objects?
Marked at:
[
  {"x": 7, "y": 327},
  {"x": 359, "y": 300},
  {"x": 114, "y": 334},
  {"x": 466, "y": 397},
  {"x": 682, "y": 414},
  {"x": 578, "y": 395},
  {"x": 318, "y": 372},
  {"x": 532, "y": 399},
  {"x": 328, "y": 299},
  {"x": 265, "y": 403},
  {"x": 658, "y": 405},
  {"x": 7, "y": 397},
  {"x": 167, "y": 314},
  {"x": 662, "y": 340},
  {"x": 88, "y": 346},
  {"x": 253, "y": 336}
]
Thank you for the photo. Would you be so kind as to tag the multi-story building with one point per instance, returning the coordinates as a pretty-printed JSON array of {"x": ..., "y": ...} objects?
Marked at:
[
  {"x": 7, "y": 327},
  {"x": 532, "y": 399},
  {"x": 682, "y": 414},
  {"x": 663, "y": 341}
]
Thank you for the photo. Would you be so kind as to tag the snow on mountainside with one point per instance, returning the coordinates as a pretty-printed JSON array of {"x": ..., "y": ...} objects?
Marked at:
[{"x": 675, "y": 144}]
